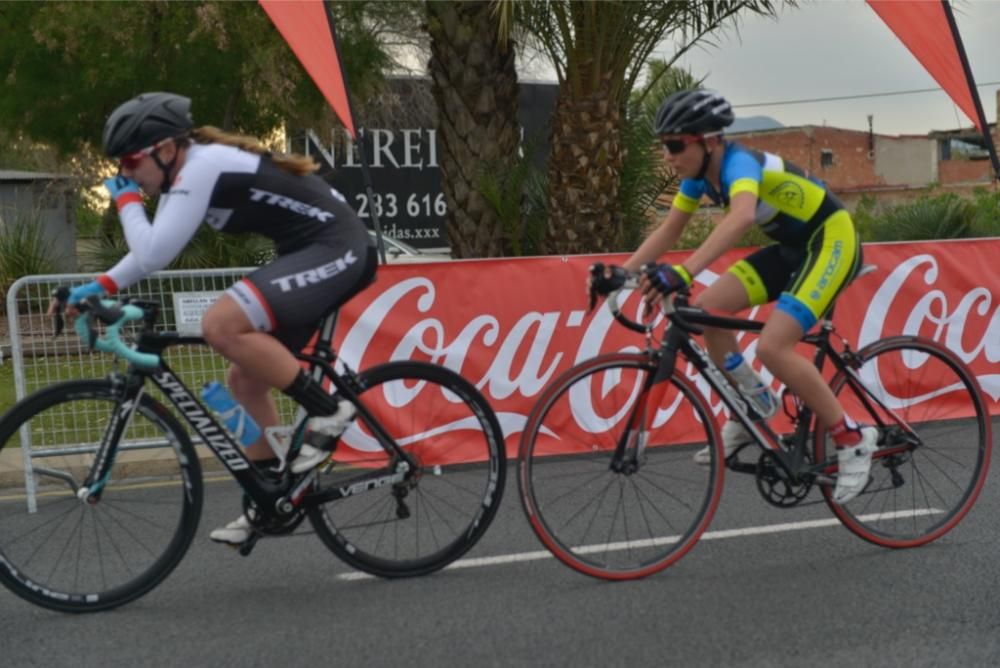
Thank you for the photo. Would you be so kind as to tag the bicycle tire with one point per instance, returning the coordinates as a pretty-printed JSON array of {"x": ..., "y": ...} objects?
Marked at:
[
  {"x": 564, "y": 459},
  {"x": 450, "y": 429},
  {"x": 917, "y": 496},
  {"x": 74, "y": 556}
]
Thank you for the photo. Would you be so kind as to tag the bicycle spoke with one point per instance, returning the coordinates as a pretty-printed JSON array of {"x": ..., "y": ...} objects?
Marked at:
[
  {"x": 450, "y": 434},
  {"x": 71, "y": 555},
  {"x": 623, "y": 521},
  {"x": 933, "y": 393}
]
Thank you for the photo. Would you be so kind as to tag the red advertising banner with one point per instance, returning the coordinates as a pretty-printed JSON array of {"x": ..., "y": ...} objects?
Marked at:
[{"x": 510, "y": 326}]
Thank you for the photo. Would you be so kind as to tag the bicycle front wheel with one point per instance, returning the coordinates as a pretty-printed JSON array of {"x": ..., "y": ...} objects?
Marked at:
[
  {"x": 417, "y": 525},
  {"x": 934, "y": 444},
  {"x": 76, "y": 556},
  {"x": 595, "y": 515}
]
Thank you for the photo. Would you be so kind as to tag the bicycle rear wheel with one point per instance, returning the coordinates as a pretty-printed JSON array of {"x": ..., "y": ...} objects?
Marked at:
[
  {"x": 415, "y": 526},
  {"x": 922, "y": 484},
  {"x": 63, "y": 553},
  {"x": 609, "y": 523}
]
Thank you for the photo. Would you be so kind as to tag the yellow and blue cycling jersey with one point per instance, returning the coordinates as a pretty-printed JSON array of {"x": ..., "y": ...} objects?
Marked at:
[{"x": 818, "y": 250}]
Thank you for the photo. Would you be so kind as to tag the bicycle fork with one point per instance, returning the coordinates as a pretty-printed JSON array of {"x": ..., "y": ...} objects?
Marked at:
[
  {"x": 632, "y": 444},
  {"x": 100, "y": 471}
]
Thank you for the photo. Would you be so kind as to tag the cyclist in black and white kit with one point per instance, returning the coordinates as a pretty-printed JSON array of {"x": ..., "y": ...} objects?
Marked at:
[{"x": 232, "y": 183}]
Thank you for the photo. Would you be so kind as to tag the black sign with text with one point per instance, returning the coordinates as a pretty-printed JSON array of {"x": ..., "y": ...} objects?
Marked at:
[
  {"x": 403, "y": 164},
  {"x": 405, "y": 177}
]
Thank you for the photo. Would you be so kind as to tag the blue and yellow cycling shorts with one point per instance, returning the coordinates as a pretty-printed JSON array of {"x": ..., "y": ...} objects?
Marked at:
[{"x": 804, "y": 279}]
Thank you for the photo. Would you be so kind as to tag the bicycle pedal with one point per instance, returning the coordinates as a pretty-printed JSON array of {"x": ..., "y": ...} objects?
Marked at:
[
  {"x": 246, "y": 547},
  {"x": 739, "y": 467}
]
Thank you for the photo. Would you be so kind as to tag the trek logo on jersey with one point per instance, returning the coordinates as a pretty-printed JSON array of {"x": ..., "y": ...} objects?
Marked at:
[
  {"x": 301, "y": 208},
  {"x": 311, "y": 276},
  {"x": 828, "y": 271}
]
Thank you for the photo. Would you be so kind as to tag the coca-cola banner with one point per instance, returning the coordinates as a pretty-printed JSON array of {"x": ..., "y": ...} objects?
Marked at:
[{"x": 512, "y": 325}]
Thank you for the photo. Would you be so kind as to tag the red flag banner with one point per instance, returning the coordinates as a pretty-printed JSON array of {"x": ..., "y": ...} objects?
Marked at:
[
  {"x": 924, "y": 28},
  {"x": 306, "y": 27}
]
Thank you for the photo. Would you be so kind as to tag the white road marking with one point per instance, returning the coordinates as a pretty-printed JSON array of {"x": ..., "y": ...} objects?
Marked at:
[{"x": 708, "y": 535}]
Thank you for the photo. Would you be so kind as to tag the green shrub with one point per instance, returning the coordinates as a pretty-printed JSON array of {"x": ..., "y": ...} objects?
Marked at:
[
  {"x": 24, "y": 250},
  {"x": 985, "y": 216},
  {"x": 944, "y": 216}
]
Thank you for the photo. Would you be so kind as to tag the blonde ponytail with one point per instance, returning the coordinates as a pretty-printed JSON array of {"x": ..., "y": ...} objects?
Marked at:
[{"x": 294, "y": 163}]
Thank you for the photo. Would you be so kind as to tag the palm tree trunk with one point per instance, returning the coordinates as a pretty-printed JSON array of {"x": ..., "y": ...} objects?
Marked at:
[
  {"x": 584, "y": 173},
  {"x": 475, "y": 87}
]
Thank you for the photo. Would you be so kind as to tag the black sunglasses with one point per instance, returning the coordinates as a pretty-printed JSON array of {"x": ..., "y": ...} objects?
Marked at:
[{"x": 678, "y": 144}]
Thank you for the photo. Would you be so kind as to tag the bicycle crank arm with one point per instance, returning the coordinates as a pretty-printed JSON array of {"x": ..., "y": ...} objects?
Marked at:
[{"x": 246, "y": 547}]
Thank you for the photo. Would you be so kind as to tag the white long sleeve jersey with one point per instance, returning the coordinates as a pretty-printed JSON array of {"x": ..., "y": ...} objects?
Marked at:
[{"x": 234, "y": 191}]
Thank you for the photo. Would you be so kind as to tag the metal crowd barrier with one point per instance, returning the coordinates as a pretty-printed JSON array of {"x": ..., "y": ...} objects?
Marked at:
[{"x": 40, "y": 359}]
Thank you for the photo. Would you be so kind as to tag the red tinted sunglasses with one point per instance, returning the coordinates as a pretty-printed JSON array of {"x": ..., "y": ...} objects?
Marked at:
[
  {"x": 132, "y": 160},
  {"x": 678, "y": 144}
]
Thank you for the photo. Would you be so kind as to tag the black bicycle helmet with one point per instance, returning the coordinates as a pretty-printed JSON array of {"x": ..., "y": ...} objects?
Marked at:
[
  {"x": 145, "y": 120},
  {"x": 693, "y": 112}
]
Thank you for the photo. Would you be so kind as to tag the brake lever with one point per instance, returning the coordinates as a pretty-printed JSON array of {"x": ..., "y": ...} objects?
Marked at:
[
  {"x": 596, "y": 271},
  {"x": 61, "y": 295},
  {"x": 89, "y": 305}
]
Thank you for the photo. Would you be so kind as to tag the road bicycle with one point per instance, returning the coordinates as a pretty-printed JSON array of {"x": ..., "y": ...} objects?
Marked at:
[
  {"x": 606, "y": 474},
  {"x": 117, "y": 503}
]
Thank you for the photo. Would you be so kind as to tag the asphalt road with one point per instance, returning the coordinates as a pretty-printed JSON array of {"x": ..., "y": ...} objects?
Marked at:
[{"x": 792, "y": 597}]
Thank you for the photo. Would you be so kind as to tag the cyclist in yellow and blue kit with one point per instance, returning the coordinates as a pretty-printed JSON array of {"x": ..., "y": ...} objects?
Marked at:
[{"x": 817, "y": 253}]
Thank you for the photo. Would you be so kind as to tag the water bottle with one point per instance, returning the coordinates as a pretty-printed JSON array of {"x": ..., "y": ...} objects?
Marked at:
[
  {"x": 760, "y": 395},
  {"x": 234, "y": 416}
]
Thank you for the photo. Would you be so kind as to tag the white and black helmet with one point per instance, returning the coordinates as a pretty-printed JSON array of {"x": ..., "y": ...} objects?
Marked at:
[
  {"x": 144, "y": 120},
  {"x": 693, "y": 112}
]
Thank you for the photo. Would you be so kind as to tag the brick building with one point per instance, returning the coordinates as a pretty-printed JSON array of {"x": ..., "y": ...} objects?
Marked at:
[{"x": 855, "y": 162}]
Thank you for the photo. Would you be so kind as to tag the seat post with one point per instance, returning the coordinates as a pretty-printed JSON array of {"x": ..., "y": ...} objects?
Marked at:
[{"x": 324, "y": 341}]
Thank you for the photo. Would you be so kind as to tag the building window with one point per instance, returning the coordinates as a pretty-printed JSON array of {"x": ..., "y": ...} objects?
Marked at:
[{"x": 826, "y": 158}]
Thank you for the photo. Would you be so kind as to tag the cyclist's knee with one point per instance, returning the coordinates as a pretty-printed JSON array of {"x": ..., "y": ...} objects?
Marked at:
[
  {"x": 216, "y": 332},
  {"x": 222, "y": 331},
  {"x": 727, "y": 295},
  {"x": 771, "y": 349}
]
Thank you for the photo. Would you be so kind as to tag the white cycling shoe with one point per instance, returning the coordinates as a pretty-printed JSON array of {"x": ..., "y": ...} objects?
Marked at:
[
  {"x": 734, "y": 434},
  {"x": 236, "y": 532},
  {"x": 854, "y": 465}
]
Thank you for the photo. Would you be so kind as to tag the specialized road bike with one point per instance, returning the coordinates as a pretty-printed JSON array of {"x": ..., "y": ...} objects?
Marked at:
[{"x": 117, "y": 502}]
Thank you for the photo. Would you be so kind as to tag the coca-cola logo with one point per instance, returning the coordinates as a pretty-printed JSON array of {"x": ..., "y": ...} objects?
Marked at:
[{"x": 916, "y": 298}]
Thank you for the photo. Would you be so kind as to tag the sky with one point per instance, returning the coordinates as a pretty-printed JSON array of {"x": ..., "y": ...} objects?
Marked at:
[{"x": 833, "y": 48}]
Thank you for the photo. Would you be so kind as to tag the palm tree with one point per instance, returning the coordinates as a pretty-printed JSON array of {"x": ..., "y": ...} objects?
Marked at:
[
  {"x": 475, "y": 87},
  {"x": 598, "y": 50}
]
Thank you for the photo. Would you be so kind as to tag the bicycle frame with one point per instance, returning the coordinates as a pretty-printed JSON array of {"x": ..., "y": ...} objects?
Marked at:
[
  {"x": 269, "y": 495},
  {"x": 790, "y": 452}
]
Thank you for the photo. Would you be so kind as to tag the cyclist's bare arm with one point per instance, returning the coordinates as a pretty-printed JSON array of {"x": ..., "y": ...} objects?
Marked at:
[
  {"x": 725, "y": 235},
  {"x": 660, "y": 240}
]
